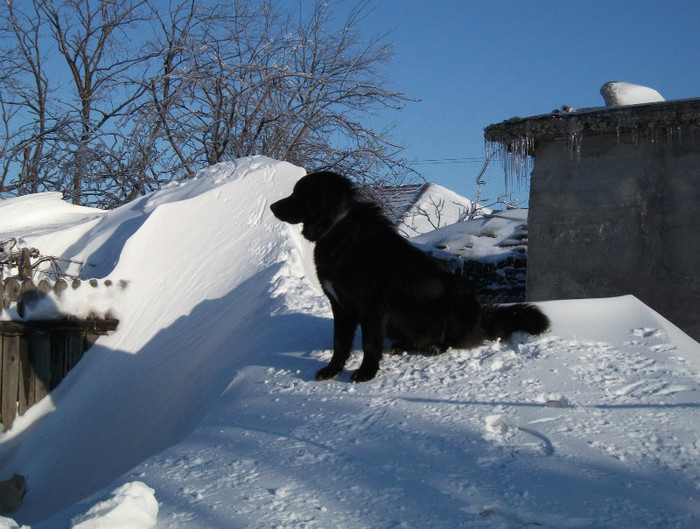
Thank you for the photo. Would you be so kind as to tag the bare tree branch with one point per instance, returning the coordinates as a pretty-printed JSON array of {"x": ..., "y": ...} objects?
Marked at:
[{"x": 154, "y": 91}]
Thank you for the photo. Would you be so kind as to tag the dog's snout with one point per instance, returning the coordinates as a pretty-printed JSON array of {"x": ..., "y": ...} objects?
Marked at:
[
  {"x": 285, "y": 210},
  {"x": 275, "y": 207}
]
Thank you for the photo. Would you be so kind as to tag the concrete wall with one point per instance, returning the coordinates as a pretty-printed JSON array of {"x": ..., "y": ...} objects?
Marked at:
[{"x": 622, "y": 219}]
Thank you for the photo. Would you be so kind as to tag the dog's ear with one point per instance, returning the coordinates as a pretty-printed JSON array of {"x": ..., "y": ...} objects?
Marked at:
[{"x": 318, "y": 201}]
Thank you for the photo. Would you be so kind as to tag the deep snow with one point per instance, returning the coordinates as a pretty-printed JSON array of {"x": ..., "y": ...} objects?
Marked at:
[{"x": 204, "y": 400}]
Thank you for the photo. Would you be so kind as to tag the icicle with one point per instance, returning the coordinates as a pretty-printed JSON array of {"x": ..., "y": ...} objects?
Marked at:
[
  {"x": 575, "y": 139},
  {"x": 516, "y": 157}
]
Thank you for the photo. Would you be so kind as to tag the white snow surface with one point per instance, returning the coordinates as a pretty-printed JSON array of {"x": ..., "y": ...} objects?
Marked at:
[
  {"x": 201, "y": 410},
  {"x": 620, "y": 93},
  {"x": 490, "y": 237}
]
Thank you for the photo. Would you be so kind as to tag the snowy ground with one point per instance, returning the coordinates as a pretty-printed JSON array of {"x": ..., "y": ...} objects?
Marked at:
[{"x": 201, "y": 410}]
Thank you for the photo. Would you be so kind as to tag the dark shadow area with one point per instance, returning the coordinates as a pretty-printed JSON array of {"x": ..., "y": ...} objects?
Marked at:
[
  {"x": 107, "y": 402},
  {"x": 101, "y": 262}
]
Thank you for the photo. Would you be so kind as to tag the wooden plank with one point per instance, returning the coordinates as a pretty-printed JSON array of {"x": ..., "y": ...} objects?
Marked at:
[
  {"x": 44, "y": 286},
  {"x": 98, "y": 326},
  {"x": 89, "y": 339},
  {"x": 36, "y": 355},
  {"x": 58, "y": 359},
  {"x": 12, "y": 288},
  {"x": 59, "y": 286},
  {"x": 2, "y": 347},
  {"x": 10, "y": 379},
  {"x": 41, "y": 362},
  {"x": 25, "y": 264},
  {"x": 28, "y": 297},
  {"x": 12, "y": 327},
  {"x": 74, "y": 349},
  {"x": 26, "y": 397}
]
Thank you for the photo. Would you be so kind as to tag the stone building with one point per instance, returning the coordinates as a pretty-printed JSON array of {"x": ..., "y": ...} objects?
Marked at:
[{"x": 614, "y": 203}]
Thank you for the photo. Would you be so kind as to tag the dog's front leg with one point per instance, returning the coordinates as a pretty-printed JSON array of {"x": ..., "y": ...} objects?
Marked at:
[
  {"x": 372, "y": 346},
  {"x": 344, "y": 325}
]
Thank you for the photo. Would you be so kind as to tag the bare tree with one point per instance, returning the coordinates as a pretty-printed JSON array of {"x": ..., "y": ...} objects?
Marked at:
[
  {"x": 246, "y": 78},
  {"x": 89, "y": 37},
  {"x": 65, "y": 131},
  {"x": 142, "y": 92},
  {"x": 23, "y": 100}
]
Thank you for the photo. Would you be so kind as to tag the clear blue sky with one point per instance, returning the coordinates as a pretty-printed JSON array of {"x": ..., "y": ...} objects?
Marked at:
[{"x": 473, "y": 63}]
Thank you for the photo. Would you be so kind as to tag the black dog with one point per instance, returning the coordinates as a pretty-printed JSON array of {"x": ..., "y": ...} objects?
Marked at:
[{"x": 377, "y": 279}]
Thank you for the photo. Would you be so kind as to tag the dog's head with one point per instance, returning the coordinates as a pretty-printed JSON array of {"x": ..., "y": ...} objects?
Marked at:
[{"x": 318, "y": 200}]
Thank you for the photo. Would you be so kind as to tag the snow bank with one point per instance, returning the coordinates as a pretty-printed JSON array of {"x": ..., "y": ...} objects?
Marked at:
[
  {"x": 42, "y": 212},
  {"x": 205, "y": 395},
  {"x": 200, "y": 258}
]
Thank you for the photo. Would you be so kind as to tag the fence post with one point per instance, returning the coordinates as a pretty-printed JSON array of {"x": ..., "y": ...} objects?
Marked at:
[
  {"x": 27, "y": 394},
  {"x": 41, "y": 361},
  {"x": 25, "y": 264},
  {"x": 59, "y": 286},
  {"x": 28, "y": 296},
  {"x": 12, "y": 289},
  {"x": 10, "y": 379}
]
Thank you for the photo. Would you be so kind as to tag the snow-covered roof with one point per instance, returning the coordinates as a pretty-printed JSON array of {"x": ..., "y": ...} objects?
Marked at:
[
  {"x": 396, "y": 201},
  {"x": 421, "y": 208}
]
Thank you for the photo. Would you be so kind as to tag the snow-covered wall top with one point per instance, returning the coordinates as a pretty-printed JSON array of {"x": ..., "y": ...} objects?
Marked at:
[{"x": 604, "y": 120}]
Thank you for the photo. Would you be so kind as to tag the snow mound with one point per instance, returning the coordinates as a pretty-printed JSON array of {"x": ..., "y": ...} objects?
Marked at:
[
  {"x": 132, "y": 505},
  {"x": 41, "y": 212},
  {"x": 619, "y": 93}
]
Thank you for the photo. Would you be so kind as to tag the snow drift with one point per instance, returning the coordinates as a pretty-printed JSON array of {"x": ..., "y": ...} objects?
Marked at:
[{"x": 204, "y": 401}]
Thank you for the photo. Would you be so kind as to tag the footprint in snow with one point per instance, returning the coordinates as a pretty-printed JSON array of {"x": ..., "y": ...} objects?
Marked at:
[{"x": 647, "y": 332}]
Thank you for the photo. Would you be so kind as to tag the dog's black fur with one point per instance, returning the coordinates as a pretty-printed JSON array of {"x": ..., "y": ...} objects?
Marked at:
[{"x": 375, "y": 278}]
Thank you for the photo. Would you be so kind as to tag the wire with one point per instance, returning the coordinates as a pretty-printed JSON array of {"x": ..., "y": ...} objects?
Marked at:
[{"x": 446, "y": 161}]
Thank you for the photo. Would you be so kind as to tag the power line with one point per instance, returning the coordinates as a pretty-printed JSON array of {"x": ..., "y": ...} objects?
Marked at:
[{"x": 448, "y": 161}]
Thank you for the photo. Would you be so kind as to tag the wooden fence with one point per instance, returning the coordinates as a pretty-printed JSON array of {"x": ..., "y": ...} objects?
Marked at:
[{"x": 35, "y": 355}]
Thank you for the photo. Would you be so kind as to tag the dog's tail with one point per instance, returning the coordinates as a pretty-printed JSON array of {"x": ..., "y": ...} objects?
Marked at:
[{"x": 501, "y": 321}]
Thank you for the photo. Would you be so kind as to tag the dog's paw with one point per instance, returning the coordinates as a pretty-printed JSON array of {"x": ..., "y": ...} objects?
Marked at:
[
  {"x": 364, "y": 374},
  {"x": 327, "y": 373}
]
